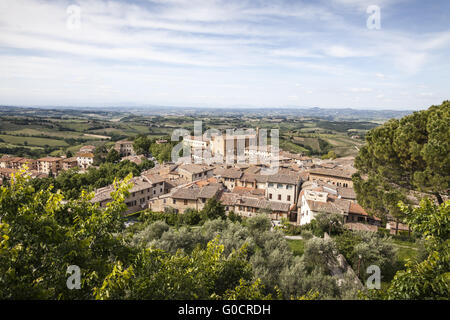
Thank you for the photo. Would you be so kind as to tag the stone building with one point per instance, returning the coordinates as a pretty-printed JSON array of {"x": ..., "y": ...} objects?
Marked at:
[
  {"x": 50, "y": 164},
  {"x": 338, "y": 177},
  {"x": 125, "y": 148},
  {"x": 186, "y": 197}
]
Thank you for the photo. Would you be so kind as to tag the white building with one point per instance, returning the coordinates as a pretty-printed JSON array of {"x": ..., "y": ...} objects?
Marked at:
[
  {"x": 85, "y": 160},
  {"x": 283, "y": 187}
]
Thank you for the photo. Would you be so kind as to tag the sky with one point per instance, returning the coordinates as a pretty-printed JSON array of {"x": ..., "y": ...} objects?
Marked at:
[{"x": 230, "y": 53}]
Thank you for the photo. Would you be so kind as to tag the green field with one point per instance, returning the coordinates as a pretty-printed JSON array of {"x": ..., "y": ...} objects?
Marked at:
[
  {"x": 32, "y": 141},
  {"x": 68, "y": 130},
  {"x": 297, "y": 246}
]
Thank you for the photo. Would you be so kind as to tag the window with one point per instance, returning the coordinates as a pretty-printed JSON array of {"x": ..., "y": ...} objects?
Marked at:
[
  {"x": 174, "y": 201},
  {"x": 279, "y": 186},
  {"x": 270, "y": 196},
  {"x": 279, "y": 197},
  {"x": 288, "y": 198},
  {"x": 270, "y": 185},
  {"x": 185, "y": 202}
]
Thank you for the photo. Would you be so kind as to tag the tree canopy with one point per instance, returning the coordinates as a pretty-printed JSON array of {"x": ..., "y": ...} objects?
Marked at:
[{"x": 404, "y": 155}]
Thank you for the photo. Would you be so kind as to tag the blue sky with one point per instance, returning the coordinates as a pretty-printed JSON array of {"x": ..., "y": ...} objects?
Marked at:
[{"x": 265, "y": 53}]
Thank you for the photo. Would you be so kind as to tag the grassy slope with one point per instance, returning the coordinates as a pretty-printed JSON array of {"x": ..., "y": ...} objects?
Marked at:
[{"x": 297, "y": 246}]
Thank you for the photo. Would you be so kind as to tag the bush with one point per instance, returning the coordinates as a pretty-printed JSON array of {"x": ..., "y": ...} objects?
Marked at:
[
  {"x": 307, "y": 234},
  {"x": 234, "y": 217},
  {"x": 192, "y": 217},
  {"x": 368, "y": 248}
]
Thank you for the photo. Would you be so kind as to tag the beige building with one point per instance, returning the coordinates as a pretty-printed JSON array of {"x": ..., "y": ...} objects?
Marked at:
[
  {"x": 283, "y": 187},
  {"x": 85, "y": 160},
  {"x": 125, "y": 148},
  {"x": 183, "y": 198},
  {"x": 249, "y": 206},
  {"x": 338, "y": 177},
  {"x": 50, "y": 164},
  {"x": 69, "y": 163},
  {"x": 195, "y": 142},
  {"x": 193, "y": 172},
  {"x": 16, "y": 163},
  {"x": 232, "y": 145},
  {"x": 144, "y": 188},
  {"x": 228, "y": 176}
]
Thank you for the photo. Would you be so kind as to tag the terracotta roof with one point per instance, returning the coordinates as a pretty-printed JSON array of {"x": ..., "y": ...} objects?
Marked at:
[
  {"x": 253, "y": 170},
  {"x": 332, "y": 172},
  {"x": 232, "y": 199},
  {"x": 291, "y": 178},
  {"x": 357, "y": 226},
  {"x": 231, "y": 173},
  {"x": 190, "y": 193},
  {"x": 194, "y": 192},
  {"x": 348, "y": 193},
  {"x": 139, "y": 184},
  {"x": 26, "y": 160},
  {"x": 153, "y": 178},
  {"x": 195, "y": 168},
  {"x": 50, "y": 159},
  {"x": 208, "y": 192},
  {"x": 202, "y": 183},
  {"x": 249, "y": 191},
  {"x": 85, "y": 154},
  {"x": 247, "y": 177}
]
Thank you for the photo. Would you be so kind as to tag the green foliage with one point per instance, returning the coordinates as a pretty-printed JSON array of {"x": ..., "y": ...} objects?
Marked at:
[
  {"x": 362, "y": 249},
  {"x": 430, "y": 278},
  {"x": 258, "y": 224},
  {"x": 330, "y": 155},
  {"x": 307, "y": 234},
  {"x": 203, "y": 274},
  {"x": 44, "y": 235},
  {"x": 192, "y": 217},
  {"x": 214, "y": 209},
  {"x": 403, "y": 155},
  {"x": 72, "y": 182},
  {"x": 234, "y": 217},
  {"x": 162, "y": 152},
  {"x": 329, "y": 223},
  {"x": 113, "y": 156},
  {"x": 141, "y": 145}
]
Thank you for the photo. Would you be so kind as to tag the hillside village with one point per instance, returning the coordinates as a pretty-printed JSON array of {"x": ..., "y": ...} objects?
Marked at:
[{"x": 300, "y": 188}]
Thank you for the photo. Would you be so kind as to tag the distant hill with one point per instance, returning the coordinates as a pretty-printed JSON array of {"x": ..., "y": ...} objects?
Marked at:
[{"x": 313, "y": 112}]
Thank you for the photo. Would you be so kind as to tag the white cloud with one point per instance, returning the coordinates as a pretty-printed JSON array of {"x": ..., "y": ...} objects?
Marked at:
[
  {"x": 186, "y": 49},
  {"x": 361, "y": 89}
]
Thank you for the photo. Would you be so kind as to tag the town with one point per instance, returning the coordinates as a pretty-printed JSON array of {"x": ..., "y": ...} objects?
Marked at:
[{"x": 302, "y": 187}]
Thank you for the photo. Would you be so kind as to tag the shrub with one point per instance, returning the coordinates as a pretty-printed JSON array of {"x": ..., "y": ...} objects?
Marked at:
[{"x": 307, "y": 234}]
